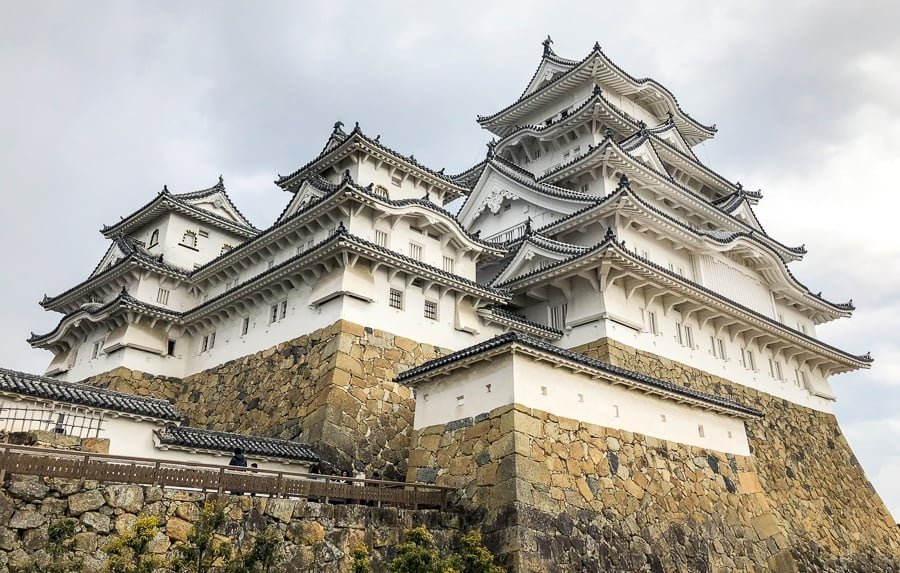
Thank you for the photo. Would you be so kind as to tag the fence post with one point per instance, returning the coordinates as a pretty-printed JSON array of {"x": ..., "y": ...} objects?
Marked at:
[
  {"x": 415, "y": 496},
  {"x": 278, "y": 484},
  {"x": 156, "y": 474},
  {"x": 219, "y": 484}
]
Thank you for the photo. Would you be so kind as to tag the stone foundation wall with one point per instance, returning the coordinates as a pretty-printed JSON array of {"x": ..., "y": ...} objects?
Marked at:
[
  {"x": 333, "y": 386},
  {"x": 560, "y": 495},
  {"x": 831, "y": 514},
  {"x": 318, "y": 537}
]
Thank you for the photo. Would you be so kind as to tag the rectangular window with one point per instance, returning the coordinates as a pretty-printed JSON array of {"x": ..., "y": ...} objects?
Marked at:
[
  {"x": 381, "y": 238},
  {"x": 718, "y": 348},
  {"x": 95, "y": 351},
  {"x": 310, "y": 244},
  {"x": 245, "y": 325},
  {"x": 804, "y": 381},
  {"x": 537, "y": 153},
  {"x": 688, "y": 336},
  {"x": 431, "y": 309},
  {"x": 162, "y": 296},
  {"x": 396, "y": 181},
  {"x": 558, "y": 316},
  {"x": 448, "y": 264},
  {"x": 585, "y": 188},
  {"x": 395, "y": 298},
  {"x": 204, "y": 343},
  {"x": 652, "y": 325},
  {"x": 203, "y": 233},
  {"x": 283, "y": 312},
  {"x": 273, "y": 313},
  {"x": 700, "y": 430},
  {"x": 415, "y": 251},
  {"x": 775, "y": 369},
  {"x": 797, "y": 377},
  {"x": 747, "y": 359},
  {"x": 802, "y": 327},
  {"x": 212, "y": 340},
  {"x": 170, "y": 348},
  {"x": 679, "y": 336}
]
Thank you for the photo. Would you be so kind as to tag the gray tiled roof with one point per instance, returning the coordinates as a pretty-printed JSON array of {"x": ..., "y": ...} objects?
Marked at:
[
  {"x": 83, "y": 395},
  {"x": 183, "y": 436}
]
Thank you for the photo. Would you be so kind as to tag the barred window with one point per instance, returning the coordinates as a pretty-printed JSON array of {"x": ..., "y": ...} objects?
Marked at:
[
  {"x": 245, "y": 325},
  {"x": 431, "y": 309},
  {"x": 558, "y": 316},
  {"x": 162, "y": 296},
  {"x": 415, "y": 251},
  {"x": 154, "y": 238},
  {"x": 396, "y": 298},
  {"x": 448, "y": 264},
  {"x": 283, "y": 311},
  {"x": 381, "y": 238}
]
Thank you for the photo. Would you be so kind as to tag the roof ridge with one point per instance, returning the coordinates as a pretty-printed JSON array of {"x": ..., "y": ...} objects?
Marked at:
[
  {"x": 375, "y": 142},
  {"x": 84, "y": 394}
]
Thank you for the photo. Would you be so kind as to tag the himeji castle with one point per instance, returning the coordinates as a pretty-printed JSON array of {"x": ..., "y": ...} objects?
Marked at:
[{"x": 603, "y": 343}]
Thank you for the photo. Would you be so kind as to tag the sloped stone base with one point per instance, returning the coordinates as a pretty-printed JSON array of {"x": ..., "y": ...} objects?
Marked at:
[{"x": 332, "y": 388}]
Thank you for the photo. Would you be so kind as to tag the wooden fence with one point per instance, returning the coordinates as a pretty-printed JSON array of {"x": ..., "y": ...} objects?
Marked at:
[{"x": 221, "y": 479}]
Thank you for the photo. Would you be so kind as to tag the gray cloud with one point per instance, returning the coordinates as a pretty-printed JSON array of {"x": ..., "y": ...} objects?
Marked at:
[{"x": 104, "y": 103}]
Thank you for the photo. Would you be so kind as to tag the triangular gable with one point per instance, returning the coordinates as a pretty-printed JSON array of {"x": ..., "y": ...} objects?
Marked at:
[
  {"x": 530, "y": 257},
  {"x": 113, "y": 255},
  {"x": 337, "y": 137},
  {"x": 494, "y": 186},
  {"x": 674, "y": 138},
  {"x": 547, "y": 72},
  {"x": 217, "y": 202},
  {"x": 742, "y": 211},
  {"x": 307, "y": 194},
  {"x": 646, "y": 154}
]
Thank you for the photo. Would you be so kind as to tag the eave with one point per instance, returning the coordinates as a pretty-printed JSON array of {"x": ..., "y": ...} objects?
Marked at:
[
  {"x": 164, "y": 203},
  {"x": 129, "y": 267},
  {"x": 357, "y": 142},
  {"x": 609, "y": 262},
  {"x": 613, "y": 154},
  {"x": 337, "y": 197},
  {"x": 598, "y": 67}
]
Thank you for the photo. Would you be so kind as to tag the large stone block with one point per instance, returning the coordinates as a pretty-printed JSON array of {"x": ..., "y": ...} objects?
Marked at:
[{"x": 85, "y": 501}]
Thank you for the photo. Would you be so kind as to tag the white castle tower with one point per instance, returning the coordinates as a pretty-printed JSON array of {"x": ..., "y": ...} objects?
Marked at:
[{"x": 603, "y": 349}]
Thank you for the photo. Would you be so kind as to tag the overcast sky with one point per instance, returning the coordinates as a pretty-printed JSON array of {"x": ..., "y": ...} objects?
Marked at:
[{"x": 103, "y": 103}]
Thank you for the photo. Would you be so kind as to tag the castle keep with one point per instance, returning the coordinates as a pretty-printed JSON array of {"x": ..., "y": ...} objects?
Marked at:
[{"x": 603, "y": 349}]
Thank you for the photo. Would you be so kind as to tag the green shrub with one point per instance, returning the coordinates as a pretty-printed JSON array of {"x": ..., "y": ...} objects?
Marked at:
[
  {"x": 203, "y": 550},
  {"x": 130, "y": 552}
]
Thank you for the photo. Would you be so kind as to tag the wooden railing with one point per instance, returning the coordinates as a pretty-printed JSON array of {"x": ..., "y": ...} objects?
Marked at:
[{"x": 221, "y": 479}]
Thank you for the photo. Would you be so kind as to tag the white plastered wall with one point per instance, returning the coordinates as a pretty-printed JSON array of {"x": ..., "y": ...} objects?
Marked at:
[{"x": 522, "y": 380}]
